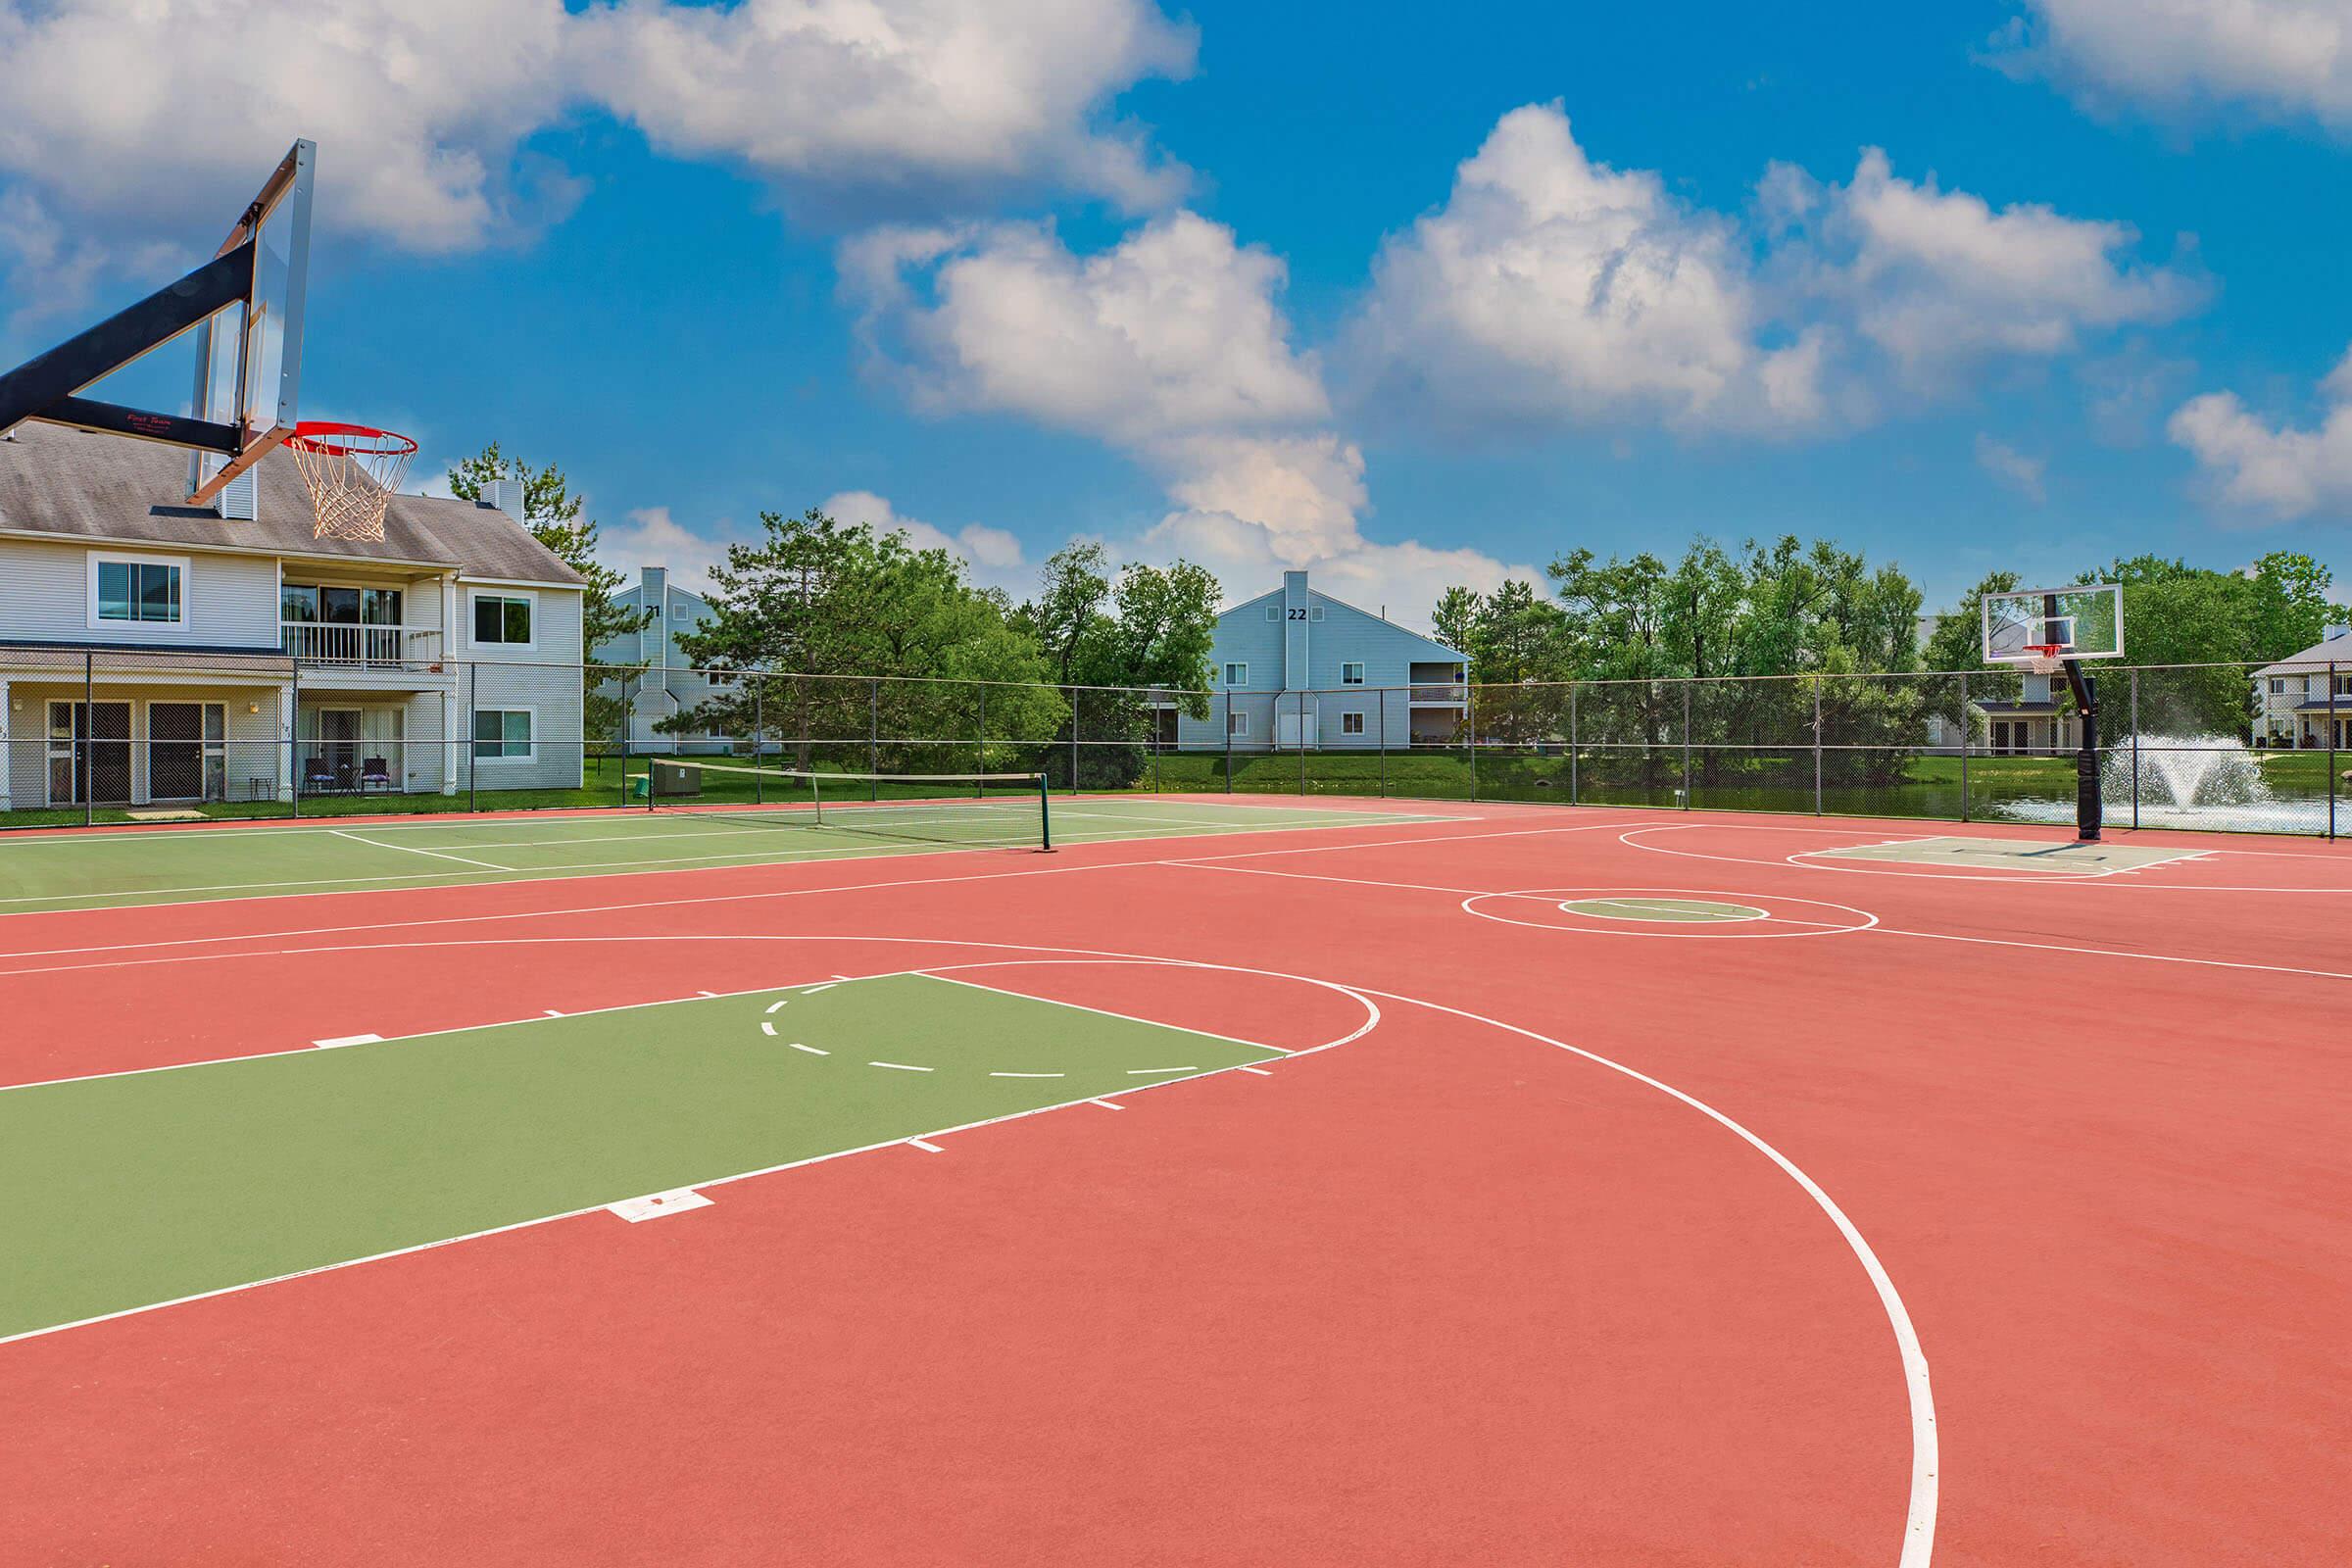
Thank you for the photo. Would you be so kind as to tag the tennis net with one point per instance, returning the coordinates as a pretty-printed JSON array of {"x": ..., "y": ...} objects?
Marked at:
[{"x": 982, "y": 810}]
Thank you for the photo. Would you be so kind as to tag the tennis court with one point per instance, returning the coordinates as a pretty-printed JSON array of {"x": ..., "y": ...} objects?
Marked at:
[
  {"x": 727, "y": 1181},
  {"x": 734, "y": 817}
]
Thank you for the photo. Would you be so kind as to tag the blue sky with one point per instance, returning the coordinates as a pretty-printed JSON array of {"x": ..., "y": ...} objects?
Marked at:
[{"x": 1402, "y": 300}]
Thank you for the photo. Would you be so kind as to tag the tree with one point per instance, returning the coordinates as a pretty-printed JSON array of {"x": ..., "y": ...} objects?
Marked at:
[
  {"x": 860, "y": 650},
  {"x": 1068, "y": 605},
  {"x": 1453, "y": 621},
  {"x": 1114, "y": 645},
  {"x": 553, "y": 513}
]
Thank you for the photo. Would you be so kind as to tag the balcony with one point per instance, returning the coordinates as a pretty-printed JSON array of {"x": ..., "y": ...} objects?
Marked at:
[
  {"x": 1449, "y": 696},
  {"x": 386, "y": 650}
]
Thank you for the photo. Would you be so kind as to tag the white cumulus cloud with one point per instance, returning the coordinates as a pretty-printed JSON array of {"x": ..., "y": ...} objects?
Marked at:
[
  {"x": 1172, "y": 345},
  {"x": 993, "y": 553},
  {"x": 2280, "y": 58},
  {"x": 652, "y": 537},
  {"x": 1554, "y": 290},
  {"x": 916, "y": 96},
  {"x": 1552, "y": 286},
  {"x": 2012, "y": 468},
  {"x": 2282, "y": 469}
]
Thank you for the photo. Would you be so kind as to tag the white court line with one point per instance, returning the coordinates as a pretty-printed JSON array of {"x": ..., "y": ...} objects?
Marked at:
[
  {"x": 1154, "y": 1072},
  {"x": 1261, "y": 1071},
  {"x": 1102, "y": 1013},
  {"x": 411, "y": 849},
  {"x": 333, "y": 1042},
  {"x": 926, "y": 1148},
  {"x": 812, "y": 1050},
  {"x": 767, "y": 1028},
  {"x": 772, "y": 1007},
  {"x": 813, "y": 989},
  {"x": 901, "y": 1067},
  {"x": 1919, "y": 1516},
  {"x": 1028, "y": 1075}
]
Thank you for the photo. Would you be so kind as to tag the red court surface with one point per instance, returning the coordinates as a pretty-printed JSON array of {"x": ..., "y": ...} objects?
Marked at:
[{"x": 1936, "y": 1214}]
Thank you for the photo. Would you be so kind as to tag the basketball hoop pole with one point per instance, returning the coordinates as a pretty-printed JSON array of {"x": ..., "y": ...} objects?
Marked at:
[{"x": 2090, "y": 809}]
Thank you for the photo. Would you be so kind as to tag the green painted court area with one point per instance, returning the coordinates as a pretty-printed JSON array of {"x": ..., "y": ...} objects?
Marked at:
[
  {"x": 133, "y": 1190},
  {"x": 184, "y": 865},
  {"x": 1669, "y": 911}
]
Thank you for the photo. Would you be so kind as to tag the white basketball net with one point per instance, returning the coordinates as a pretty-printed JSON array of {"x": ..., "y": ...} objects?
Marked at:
[{"x": 351, "y": 473}]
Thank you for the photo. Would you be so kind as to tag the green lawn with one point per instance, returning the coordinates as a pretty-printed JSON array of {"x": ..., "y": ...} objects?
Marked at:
[{"x": 135, "y": 1189}]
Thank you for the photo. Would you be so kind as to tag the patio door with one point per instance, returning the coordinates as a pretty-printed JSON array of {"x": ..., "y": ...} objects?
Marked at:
[
  {"x": 89, "y": 754},
  {"x": 184, "y": 751}
]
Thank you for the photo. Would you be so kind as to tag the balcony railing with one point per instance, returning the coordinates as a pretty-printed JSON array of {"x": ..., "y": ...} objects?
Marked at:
[
  {"x": 1438, "y": 694},
  {"x": 370, "y": 647}
]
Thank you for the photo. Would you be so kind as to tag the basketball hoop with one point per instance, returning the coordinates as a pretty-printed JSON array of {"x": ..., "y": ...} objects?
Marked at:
[
  {"x": 2046, "y": 659},
  {"x": 351, "y": 471}
]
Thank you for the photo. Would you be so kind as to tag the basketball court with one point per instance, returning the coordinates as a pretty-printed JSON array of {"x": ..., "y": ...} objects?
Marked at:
[{"x": 1318, "y": 1184}]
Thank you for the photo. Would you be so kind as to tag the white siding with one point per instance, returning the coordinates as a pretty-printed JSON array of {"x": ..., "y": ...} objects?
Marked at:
[{"x": 226, "y": 601}]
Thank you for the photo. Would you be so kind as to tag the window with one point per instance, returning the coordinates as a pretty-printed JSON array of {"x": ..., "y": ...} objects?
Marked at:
[
  {"x": 1352, "y": 723},
  {"x": 1273, "y": 611},
  {"x": 1237, "y": 723},
  {"x": 135, "y": 589},
  {"x": 681, "y": 611},
  {"x": 2278, "y": 685},
  {"x": 1237, "y": 674},
  {"x": 502, "y": 621},
  {"x": 1351, "y": 675},
  {"x": 502, "y": 734}
]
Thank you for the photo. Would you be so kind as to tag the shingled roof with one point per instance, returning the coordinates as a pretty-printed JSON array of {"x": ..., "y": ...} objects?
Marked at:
[{"x": 73, "y": 485}]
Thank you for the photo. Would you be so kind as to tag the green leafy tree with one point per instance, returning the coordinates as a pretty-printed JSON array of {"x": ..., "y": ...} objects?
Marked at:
[
  {"x": 1113, "y": 644},
  {"x": 857, "y": 647},
  {"x": 554, "y": 516}
]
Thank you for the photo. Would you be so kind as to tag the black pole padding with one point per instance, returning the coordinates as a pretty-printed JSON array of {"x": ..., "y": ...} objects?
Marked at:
[{"x": 2090, "y": 807}]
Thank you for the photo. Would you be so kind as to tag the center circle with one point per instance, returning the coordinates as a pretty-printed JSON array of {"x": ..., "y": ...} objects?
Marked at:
[{"x": 1672, "y": 911}]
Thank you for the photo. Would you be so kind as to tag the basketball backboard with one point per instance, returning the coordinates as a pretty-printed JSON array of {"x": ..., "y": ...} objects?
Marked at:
[
  {"x": 2036, "y": 624},
  {"x": 249, "y": 356},
  {"x": 244, "y": 306}
]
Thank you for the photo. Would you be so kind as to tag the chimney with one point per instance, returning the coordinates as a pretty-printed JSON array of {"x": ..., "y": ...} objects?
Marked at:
[
  {"x": 653, "y": 637},
  {"x": 506, "y": 496},
  {"x": 240, "y": 497}
]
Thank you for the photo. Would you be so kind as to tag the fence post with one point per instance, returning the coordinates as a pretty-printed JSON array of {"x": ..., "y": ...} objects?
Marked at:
[
  {"x": 980, "y": 751},
  {"x": 473, "y": 743},
  {"x": 2136, "y": 746},
  {"x": 1229, "y": 740},
  {"x": 1076, "y": 695},
  {"x": 1574, "y": 744},
  {"x": 1817, "y": 746},
  {"x": 2332, "y": 780},
  {"x": 1156, "y": 706},
  {"x": 1303, "y": 741},
  {"x": 1470, "y": 718},
  {"x": 1968, "y": 729},
  {"x": 294, "y": 738},
  {"x": 1383, "y": 740},
  {"x": 87, "y": 741},
  {"x": 1685, "y": 745},
  {"x": 873, "y": 739}
]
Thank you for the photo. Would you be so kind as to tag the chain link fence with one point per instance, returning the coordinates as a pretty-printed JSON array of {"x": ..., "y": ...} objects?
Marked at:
[{"x": 95, "y": 737}]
